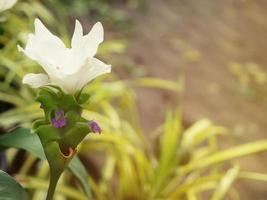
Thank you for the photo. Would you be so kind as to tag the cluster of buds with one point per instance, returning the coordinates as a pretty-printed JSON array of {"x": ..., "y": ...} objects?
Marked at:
[{"x": 63, "y": 127}]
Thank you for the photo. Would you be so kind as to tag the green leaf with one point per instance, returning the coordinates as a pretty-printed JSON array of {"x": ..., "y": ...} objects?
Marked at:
[
  {"x": 80, "y": 172},
  {"x": 168, "y": 149},
  {"x": 199, "y": 132},
  {"x": 10, "y": 189},
  {"x": 228, "y": 154},
  {"x": 22, "y": 139},
  {"x": 159, "y": 83}
]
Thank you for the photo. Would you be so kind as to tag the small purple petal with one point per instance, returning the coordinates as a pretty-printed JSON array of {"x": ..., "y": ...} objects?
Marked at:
[
  {"x": 94, "y": 127},
  {"x": 59, "y": 120},
  {"x": 59, "y": 114}
]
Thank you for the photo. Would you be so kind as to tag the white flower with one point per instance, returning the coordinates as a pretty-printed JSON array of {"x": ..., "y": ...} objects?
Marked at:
[
  {"x": 6, "y": 4},
  {"x": 69, "y": 68}
]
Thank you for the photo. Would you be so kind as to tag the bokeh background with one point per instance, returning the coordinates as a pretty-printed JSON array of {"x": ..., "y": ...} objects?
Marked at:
[
  {"x": 218, "y": 49},
  {"x": 206, "y": 59}
]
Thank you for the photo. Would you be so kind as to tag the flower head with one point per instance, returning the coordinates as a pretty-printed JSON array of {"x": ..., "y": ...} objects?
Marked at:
[
  {"x": 59, "y": 120},
  {"x": 94, "y": 127},
  {"x": 69, "y": 68}
]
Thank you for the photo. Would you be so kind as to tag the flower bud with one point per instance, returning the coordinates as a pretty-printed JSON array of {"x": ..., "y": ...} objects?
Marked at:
[
  {"x": 95, "y": 128},
  {"x": 59, "y": 120}
]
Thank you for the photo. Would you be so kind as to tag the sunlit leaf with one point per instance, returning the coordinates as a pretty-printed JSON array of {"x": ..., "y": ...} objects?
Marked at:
[
  {"x": 225, "y": 183},
  {"x": 231, "y": 153}
]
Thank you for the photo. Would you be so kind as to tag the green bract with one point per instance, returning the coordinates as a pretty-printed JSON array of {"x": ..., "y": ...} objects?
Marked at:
[{"x": 60, "y": 144}]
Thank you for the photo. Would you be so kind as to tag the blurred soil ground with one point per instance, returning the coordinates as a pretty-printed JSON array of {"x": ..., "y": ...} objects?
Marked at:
[{"x": 199, "y": 39}]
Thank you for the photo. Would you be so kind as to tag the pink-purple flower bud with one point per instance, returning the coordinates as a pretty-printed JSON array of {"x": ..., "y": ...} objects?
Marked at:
[{"x": 95, "y": 128}]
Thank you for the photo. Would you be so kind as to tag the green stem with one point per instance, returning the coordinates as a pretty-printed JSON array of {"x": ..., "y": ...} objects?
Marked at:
[{"x": 54, "y": 177}]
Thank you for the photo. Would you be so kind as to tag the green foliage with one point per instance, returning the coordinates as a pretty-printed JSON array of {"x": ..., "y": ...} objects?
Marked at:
[
  {"x": 10, "y": 189},
  {"x": 23, "y": 139},
  {"x": 181, "y": 163},
  {"x": 110, "y": 12}
]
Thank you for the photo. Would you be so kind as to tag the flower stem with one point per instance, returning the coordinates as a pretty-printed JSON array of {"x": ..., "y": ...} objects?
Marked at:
[{"x": 54, "y": 177}]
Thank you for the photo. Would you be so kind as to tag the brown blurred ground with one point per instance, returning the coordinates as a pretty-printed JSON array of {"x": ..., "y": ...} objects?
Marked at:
[{"x": 200, "y": 38}]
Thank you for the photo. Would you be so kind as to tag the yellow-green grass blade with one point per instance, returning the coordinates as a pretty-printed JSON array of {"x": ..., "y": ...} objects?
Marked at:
[
  {"x": 225, "y": 183},
  {"x": 228, "y": 154}
]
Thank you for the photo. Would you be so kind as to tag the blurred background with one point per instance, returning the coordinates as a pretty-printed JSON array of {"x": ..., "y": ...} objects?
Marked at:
[{"x": 189, "y": 82}]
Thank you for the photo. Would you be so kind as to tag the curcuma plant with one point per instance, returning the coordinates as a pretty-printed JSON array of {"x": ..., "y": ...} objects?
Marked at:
[
  {"x": 60, "y": 95},
  {"x": 175, "y": 163}
]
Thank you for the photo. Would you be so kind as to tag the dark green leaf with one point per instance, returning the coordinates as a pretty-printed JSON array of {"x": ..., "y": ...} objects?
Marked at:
[
  {"x": 10, "y": 189},
  {"x": 23, "y": 139},
  {"x": 80, "y": 172}
]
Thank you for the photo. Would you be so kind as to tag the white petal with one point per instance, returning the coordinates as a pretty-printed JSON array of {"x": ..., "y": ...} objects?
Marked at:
[
  {"x": 83, "y": 48},
  {"x": 44, "y": 34},
  {"x": 90, "y": 71},
  {"x": 94, "y": 38},
  {"x": 30, "y": 53},
  {"x": 77, "y": 34},
  {"x": 47, "y": 49},
  {"x": 35, "y": 80},
  {"x": 48, "y": 45},
  {"x": 87, "y": 46},
  {"x": 75, "y": 82},
  {"x": 6, "y": 4},
  {"x": 48, "y": 67},
  {"x": 96, "y": 69}
]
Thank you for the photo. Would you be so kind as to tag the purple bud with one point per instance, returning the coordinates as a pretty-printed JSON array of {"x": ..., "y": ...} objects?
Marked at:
[
  {"x": 59, "y": 114},
  {"x": 94, "y": 127},
  {"x": 59, "y": 120}
]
